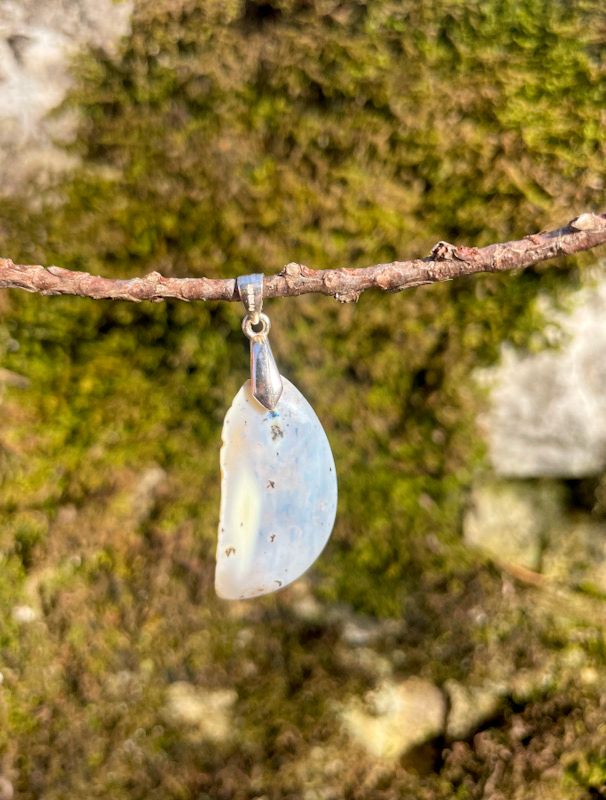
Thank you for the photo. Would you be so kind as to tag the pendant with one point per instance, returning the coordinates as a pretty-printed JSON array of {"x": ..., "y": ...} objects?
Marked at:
[{"x": 278, "y": 477}]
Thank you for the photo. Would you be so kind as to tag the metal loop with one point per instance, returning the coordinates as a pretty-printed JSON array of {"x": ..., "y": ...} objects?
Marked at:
[{"x": 248, "y": 322}]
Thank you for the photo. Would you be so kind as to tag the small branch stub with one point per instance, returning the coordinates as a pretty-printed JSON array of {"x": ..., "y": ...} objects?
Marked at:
[
  {"x": 588, "y": 222},
  {"x": 442, "y": 251}
]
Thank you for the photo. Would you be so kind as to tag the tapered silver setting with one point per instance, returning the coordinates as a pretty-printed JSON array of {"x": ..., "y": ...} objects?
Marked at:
[{"x": 266, "y": 382}]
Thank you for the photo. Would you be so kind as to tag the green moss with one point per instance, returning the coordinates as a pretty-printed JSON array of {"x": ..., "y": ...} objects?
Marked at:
[{"x": 588, "y": 772}]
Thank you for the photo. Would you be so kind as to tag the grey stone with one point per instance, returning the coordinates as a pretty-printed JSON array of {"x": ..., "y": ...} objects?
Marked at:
[
  {"x": 206, "y": 715},
  {"x": 358, "y": 632},
  {"x": 396, "y": 717},
  {"x": 548, "y": 410},
  {"x": 37, "y": 43},
  {"x": 470, "y": 707},
  {"x": 509, "y": 520}
]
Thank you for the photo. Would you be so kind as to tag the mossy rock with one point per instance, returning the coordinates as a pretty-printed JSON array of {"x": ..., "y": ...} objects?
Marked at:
[{"x": 228, "y": 138}]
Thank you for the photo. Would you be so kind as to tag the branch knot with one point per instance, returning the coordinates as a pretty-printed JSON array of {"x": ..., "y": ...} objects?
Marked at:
[
  {"x": 589, "y": 222},
  {"x": 443, "y": 251},
  {"x": 291, "y": 270}
]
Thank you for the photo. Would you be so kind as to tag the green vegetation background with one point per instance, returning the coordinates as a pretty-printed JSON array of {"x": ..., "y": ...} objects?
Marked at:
[{"x": 233, "y": 137}]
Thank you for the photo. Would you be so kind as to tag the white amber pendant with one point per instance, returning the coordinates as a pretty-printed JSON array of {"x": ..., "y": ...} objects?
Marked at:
[{"x": 278, "y": 494}]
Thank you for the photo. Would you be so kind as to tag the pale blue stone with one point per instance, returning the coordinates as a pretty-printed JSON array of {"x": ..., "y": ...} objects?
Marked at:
[{"x": 278, "y": 494}]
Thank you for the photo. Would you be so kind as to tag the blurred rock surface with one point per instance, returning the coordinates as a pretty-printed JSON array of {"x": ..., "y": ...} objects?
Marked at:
[
  {"x": 37, "y": 42},
  {"x": 396, "y": 717},
  {"x": 509, "y": 520},
  {"x": 470, "y": 707},
  {"x": 207, "y": 714},
  {"x": 548, "y": 415}
]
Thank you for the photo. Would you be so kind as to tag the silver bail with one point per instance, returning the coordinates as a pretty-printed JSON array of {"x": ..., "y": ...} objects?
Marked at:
[
  {"x": 250, "y": 289},
  {"x": 266, "y": 383}
]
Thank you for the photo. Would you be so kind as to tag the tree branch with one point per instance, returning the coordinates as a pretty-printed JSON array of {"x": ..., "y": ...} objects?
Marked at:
[{"x": 445, "y": 263}]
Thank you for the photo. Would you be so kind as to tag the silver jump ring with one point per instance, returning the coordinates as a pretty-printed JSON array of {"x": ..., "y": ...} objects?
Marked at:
[{"x": 248, "y": 322}]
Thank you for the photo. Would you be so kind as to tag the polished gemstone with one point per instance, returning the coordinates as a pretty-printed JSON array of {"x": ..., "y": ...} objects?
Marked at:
[{"x": 278, "y": 494}]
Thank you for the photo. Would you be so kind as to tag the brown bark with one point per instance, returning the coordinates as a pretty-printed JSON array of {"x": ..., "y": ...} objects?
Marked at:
[{"x": 445, "y": 263}]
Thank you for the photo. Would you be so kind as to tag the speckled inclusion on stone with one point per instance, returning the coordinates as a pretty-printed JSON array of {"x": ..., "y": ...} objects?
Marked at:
[{"x": 278, "y": 494}]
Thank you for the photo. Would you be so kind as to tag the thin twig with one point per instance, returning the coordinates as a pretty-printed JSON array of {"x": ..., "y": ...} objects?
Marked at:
[{"x": 445, "y": 263}]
